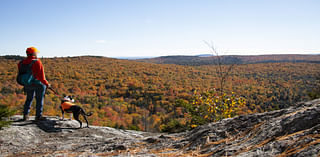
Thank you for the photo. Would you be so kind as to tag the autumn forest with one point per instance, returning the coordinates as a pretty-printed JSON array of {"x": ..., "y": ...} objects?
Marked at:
[{"x": 154, "y": 97}]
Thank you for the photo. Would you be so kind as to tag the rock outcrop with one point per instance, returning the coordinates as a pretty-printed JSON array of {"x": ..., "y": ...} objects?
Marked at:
[{"x": 294, "y": 131}]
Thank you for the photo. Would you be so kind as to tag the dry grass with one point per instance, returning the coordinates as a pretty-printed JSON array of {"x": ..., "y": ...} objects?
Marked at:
[
  {"x": 290, "y": 135},
  {"x": 179, "y": 153},
  {"x": 301, "y": 147},
  {"x": 295, "y": 112}
]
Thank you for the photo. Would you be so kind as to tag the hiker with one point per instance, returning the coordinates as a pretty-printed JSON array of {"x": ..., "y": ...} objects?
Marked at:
[{"x": 35, "y": 85}]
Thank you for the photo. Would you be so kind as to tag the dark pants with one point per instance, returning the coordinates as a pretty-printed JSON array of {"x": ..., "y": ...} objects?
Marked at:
[{"x": 38, "y": 91}]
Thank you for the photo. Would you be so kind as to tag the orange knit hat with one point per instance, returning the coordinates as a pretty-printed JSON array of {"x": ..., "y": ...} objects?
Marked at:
[{"x": 31, "y": 50}]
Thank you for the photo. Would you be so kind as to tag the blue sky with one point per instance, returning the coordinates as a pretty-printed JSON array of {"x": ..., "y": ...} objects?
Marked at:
[{"x": 116, "y": 28}]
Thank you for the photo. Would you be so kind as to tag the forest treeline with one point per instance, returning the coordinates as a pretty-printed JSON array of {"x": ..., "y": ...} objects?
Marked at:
[
  {"x": 157, "y": 97},
  {"x": 233, "y": 59}
]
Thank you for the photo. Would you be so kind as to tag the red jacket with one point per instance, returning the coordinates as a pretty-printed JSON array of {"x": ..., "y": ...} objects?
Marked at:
[{"x": 37, "y": 69}]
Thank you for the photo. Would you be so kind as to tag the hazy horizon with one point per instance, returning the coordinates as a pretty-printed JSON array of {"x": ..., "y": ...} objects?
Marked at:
[{"x": 147, "y": 57}]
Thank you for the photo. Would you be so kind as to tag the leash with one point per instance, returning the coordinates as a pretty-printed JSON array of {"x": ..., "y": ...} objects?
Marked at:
[{"x": 54, "y": 92}]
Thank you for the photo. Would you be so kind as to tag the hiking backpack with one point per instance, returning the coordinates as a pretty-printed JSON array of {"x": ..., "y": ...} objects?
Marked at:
[{"x": 25, "y": 76}]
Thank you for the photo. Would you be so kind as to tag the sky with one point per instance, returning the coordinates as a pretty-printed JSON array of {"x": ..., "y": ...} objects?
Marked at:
[{"x": 127, "y": 28}]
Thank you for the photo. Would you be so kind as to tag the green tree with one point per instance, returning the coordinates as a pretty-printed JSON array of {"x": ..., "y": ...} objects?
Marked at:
[{"x": 315, "y": 93}]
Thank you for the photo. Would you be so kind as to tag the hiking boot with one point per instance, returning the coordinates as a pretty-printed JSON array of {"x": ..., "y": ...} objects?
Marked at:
[
  {"x": 25, "y": 117},
  {"x": 41, "y": 118}
]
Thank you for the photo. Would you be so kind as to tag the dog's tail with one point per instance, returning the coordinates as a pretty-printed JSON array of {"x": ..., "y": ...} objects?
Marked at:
[{"x": 87, "y": 114}]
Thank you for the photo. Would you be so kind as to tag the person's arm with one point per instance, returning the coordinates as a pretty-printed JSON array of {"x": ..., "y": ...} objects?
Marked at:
[
  {"x": 38, "y": 72},
  {"x": 19, "y": 65}
]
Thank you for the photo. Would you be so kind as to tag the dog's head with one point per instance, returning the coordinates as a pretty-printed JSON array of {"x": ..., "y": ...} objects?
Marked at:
[{"x": 68, "y": 98}]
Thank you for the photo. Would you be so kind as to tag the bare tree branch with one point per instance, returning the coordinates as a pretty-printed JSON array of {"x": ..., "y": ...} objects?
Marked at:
[{"x": 222, "y": 72}]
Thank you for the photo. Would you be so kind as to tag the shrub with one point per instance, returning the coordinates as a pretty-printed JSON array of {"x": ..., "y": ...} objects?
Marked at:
[
  {"x": 5, "y": 113},
  {"x": 211, "y": 106},
  {"x": 172, "y": 126}
]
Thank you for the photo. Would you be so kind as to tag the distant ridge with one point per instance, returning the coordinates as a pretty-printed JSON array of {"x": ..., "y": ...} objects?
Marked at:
[
  {"x": 207, "y": 59},
  {"x": 204, "y": 55}
]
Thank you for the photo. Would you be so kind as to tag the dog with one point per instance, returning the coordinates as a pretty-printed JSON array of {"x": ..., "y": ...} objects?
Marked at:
[{"x": 68, "y": 106}]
